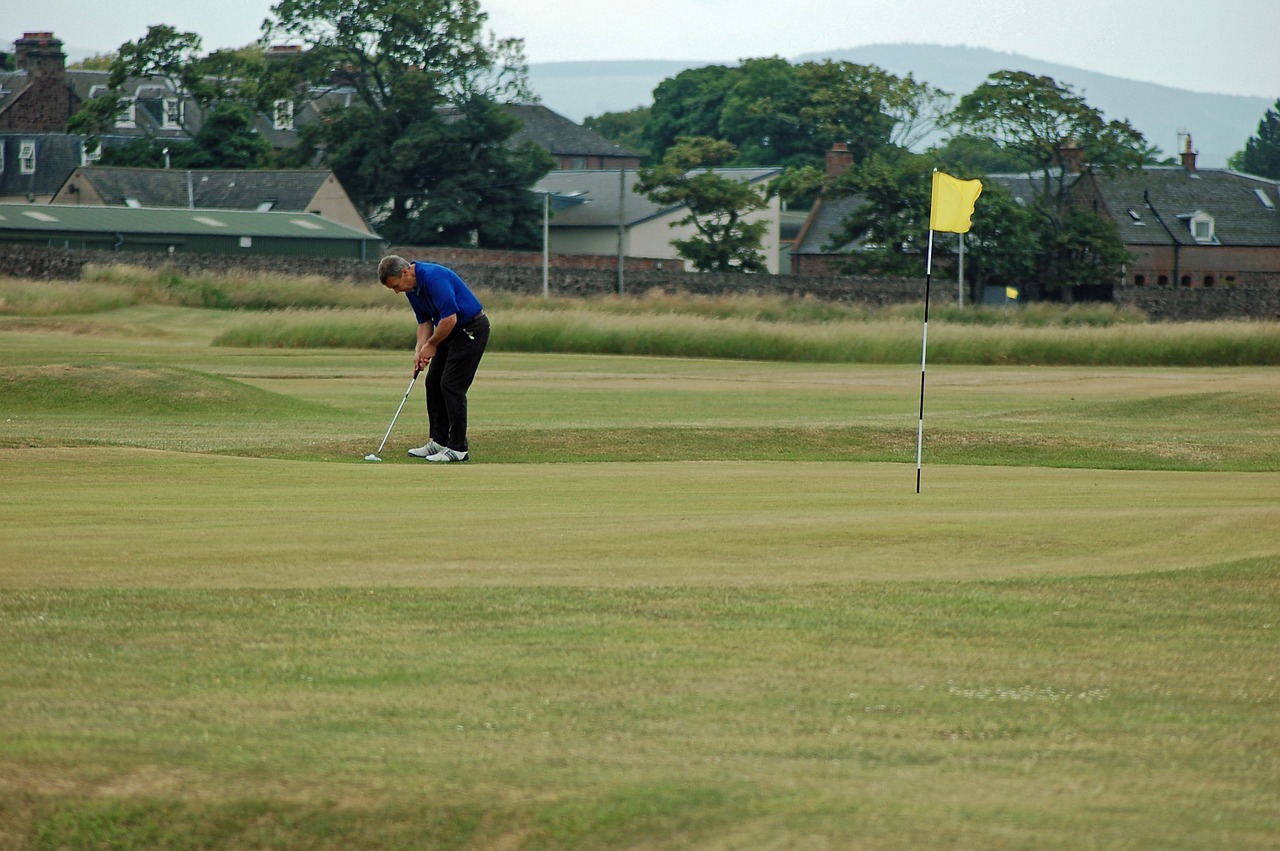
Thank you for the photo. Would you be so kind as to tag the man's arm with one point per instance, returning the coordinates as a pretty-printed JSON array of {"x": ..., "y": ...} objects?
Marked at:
[{"x": 429, "y": 338}]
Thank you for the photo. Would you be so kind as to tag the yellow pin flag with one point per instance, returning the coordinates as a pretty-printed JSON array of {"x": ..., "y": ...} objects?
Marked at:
[
  {"x": 952, "y": 204},
  {"x": 1011, "y": 293}
]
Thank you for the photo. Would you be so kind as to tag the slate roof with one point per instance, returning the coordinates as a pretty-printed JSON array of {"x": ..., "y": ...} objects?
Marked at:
[
  {"x": 1163, "y": 199},
  {"x": 57, "y": 155},
  {"x": 600, "y": 188},
  {"x": 560, "y": 136},
  {"x": 824, "y": 220},
  {"x": 291, "y": 190},
  {"x": 60, "y": 218}
]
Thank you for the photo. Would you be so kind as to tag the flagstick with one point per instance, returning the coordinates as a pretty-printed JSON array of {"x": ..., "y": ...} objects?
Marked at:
[{"x": 924, "y": 348}]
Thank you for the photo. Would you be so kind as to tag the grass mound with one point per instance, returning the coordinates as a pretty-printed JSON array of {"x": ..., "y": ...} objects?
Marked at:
[{"x": 128, "y": 390}]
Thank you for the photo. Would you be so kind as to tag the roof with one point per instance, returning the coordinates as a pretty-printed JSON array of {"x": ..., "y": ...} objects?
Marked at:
[
  {"x": 559, "y": 135},
  {"x": 60, "y": 218},
  {"x": 290, "y": 190},
  {"x": 1152, "y": 206},
  {"x": 57, "y": 155},
  {"x": 599, "y": 190},
  {"x": 824, "y": 220}
]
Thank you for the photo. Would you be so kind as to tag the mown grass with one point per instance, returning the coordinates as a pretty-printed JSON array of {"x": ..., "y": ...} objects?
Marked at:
[{"x": 221, "y": 629}]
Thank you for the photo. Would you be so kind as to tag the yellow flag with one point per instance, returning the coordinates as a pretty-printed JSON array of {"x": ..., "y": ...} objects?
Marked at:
[
  {"x": 953, "y": 202},
  {"x": 1011, "y": 293}
]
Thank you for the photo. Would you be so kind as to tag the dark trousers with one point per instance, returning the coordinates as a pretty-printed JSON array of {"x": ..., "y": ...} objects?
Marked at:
[{"x": 449, "y": 377}]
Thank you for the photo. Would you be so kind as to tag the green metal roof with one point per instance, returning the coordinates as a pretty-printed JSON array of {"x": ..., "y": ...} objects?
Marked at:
[{"x": 62, "y": 218}]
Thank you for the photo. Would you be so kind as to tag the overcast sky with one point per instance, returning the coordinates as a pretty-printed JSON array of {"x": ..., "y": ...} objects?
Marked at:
[{"x": 1225, "y": 46}]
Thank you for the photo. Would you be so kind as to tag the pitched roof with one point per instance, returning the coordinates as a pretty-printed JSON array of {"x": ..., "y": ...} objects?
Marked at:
[
  {"x": 599, "y": 190},
  {"x": 57, "y": 155},
  {"x": 1153, "y": 206},
  {"x": 61, "y": 218},
  {"x": 559, "y": 135},
  {"x": 290, "y": 190},
  {"x": 823, "y": 221}
]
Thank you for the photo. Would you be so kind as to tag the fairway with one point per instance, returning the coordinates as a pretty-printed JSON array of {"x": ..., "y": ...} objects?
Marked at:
[{"x": 671, "y": 603}]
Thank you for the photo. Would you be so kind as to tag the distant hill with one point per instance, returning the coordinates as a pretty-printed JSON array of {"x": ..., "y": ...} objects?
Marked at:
[{"x": 1219, "y": 124}]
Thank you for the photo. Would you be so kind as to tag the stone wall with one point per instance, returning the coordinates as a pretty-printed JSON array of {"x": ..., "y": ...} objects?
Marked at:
[
  {"x": 479, "y": 270},
  {"x": 514, "y": 272}
]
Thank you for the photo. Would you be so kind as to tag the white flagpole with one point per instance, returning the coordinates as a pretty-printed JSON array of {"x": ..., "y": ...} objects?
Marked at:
[{"x": 924, "y": 348}]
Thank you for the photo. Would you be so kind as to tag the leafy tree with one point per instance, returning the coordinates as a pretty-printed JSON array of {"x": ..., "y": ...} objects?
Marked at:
[
  {"x": 622, "y": 128},
  {"x": 687, "y": 105},
  {"x": 1036, "y": 119},
  {"x": 96, "y": 62},
  {"x": 891, "y": 226},
  {"x": 718, "y": 205},
  {"x": 424, "y": 146},
  {"x": 1261, "y": 154}
]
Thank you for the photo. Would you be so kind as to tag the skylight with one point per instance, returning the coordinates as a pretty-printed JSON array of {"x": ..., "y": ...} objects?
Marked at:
[
  {"x": 39, "y": 217},
  {"x": 211, "y": 222},
  {"x": 1265, "y": 199},
  {"x": 309, "y": 225}
]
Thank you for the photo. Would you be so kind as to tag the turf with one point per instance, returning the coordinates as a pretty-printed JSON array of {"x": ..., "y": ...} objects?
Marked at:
[{"x": 691, "y": 604}]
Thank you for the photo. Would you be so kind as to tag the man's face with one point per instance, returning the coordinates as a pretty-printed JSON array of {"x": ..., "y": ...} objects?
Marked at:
[{"x": 403, "y": 282}]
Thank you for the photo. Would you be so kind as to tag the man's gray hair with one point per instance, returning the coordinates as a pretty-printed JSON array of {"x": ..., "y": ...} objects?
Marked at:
[{"x": 391, "y": 266}]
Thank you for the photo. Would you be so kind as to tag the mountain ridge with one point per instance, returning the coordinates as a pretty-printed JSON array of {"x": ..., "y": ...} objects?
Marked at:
[{"x": 1219, "y": 124}]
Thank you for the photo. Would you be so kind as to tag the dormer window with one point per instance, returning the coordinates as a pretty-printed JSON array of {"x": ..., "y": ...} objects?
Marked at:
[
  {"x": 1201, "y": 226},
  {"x": 27, "y": 157},
  {"x": 282, "y": 115},
  {"x": 172, "y": 114}
]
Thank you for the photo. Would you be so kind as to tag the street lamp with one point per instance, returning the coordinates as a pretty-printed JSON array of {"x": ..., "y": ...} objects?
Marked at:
[{"x": 559, "y": 201}]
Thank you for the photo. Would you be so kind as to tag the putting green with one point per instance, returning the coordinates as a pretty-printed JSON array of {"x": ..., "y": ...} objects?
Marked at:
[{"x": 118, "y": 517}]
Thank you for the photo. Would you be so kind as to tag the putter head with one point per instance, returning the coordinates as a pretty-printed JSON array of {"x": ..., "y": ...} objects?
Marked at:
[{"x": 372, "y": 457}]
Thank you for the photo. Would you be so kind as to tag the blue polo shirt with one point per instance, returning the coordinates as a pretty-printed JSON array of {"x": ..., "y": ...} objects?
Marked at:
[{"x": 440, "y": 293}]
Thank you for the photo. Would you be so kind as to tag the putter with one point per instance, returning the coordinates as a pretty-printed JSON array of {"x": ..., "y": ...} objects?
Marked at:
[{"x": 375, "y": 456}]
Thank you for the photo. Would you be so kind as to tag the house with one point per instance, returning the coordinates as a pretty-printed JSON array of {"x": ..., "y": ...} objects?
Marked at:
[
  {"x": 607, "y": 198},
  {"x": 1191, "y": 227},
  {"x": 1181, "y": 224},
  {"x": 574, "y": 147},
  {"x": 811, "y": 250},
  {"x": 33, "y": 166},
  {"x": 287, "y": 190},
  {"x": 232, "y": 232}
]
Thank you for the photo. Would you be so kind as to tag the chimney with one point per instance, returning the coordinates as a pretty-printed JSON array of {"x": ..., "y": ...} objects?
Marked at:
[
  {"x": 1071, "y": 157},
  {"x": 40, "y": 55},
  {"x": 1189, "y": 156},
  {"x": 838, "y": 160}
]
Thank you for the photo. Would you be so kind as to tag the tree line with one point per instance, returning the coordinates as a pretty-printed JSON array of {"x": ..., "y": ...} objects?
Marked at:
[{"x": 421, "y": 141}]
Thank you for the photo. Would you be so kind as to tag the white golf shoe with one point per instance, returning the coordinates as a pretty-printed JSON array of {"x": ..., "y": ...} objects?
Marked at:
[
  {"x": 432, "y": 448},
  {"x": 448, "y": 456}
]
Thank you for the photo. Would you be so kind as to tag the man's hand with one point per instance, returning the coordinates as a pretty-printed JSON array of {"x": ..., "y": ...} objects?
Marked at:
[{"x": 424, "y": 356}]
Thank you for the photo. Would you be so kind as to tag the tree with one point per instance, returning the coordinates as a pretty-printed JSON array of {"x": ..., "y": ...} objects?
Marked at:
[
  {"x": 622, "y": 128},
  {"x": 1043, "y": 125},
  {"x": 423, "y": 146},
  {"x": 718, "y": 205},
  {"x": 1261, "y": 154},
  {"x": 891, "y": 226}
]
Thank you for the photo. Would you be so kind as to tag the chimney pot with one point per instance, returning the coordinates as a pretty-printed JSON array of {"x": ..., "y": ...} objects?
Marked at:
[
  {"x": 839, "y": 159},
  {"x": 1189, "y": 156}
]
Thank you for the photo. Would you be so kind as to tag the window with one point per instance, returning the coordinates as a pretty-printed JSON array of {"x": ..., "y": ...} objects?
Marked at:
[
  {"x": 282, "y": 115},
  {"x": 27, "y": 157},
  {"x": 1163, "y": 281},
  {"x": 1201, "y": 226},
  {"x": 172, "y": 118},
  {"x": 1208, "y": 280},
  {"x": 128, "y": 116},
  {"x": 1265, "y": 199},
  {"x": 1139, "y": 280},
  {"x": 90, "y": 153}
]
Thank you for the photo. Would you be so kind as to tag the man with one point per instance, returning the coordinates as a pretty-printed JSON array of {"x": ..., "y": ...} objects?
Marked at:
[{"x": 452, "y": 334}]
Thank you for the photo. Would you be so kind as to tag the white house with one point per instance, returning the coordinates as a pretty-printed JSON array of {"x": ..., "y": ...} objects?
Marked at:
[{"x": 606, "y": 198}]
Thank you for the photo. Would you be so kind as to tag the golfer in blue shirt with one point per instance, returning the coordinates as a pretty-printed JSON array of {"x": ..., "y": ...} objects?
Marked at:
[{"x": 452, "y": 334}]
